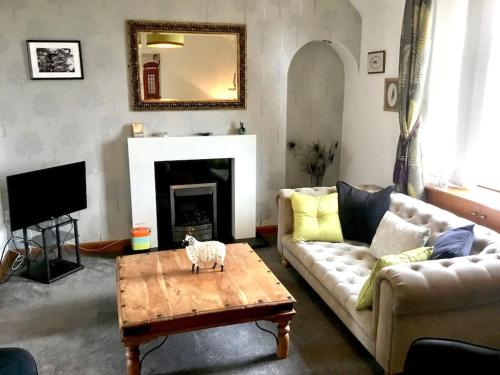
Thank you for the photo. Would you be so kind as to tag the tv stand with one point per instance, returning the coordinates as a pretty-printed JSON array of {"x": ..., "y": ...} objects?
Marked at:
[{"x": 51, "y": 237}]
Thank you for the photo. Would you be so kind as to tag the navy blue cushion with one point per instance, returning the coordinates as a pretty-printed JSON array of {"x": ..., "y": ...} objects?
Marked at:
[
  {"x": 453, "y": 243},
  {"x": 360, "y": 212}
]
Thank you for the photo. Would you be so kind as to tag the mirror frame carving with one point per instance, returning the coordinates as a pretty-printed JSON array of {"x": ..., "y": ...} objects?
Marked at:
[{"x": 138, "y": 104}]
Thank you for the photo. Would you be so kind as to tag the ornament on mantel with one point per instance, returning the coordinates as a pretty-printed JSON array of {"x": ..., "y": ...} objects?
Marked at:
[
  {"x": 163, "y": 133},
  {"x": 242, "y": 130},
  {"x": 138, "y": 129}
]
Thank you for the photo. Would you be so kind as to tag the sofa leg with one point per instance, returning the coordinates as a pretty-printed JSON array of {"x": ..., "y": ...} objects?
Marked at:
[{"x": 285, "y": 262}]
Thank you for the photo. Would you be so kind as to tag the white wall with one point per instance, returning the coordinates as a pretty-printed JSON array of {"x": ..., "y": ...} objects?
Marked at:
[
  {"x": 370, "y": 135},
  {"x": 45, "y": 123}
]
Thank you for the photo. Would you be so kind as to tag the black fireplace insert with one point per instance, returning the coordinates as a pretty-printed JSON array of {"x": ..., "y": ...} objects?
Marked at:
[{"x": 193, "y": 197}]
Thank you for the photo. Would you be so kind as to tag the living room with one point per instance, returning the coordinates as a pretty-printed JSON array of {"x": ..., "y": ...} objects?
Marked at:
[{"x": 306, "y": 71}]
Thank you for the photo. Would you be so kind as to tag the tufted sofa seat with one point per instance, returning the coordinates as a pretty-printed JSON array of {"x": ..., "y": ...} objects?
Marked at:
[{"x": 452, "y": 298}]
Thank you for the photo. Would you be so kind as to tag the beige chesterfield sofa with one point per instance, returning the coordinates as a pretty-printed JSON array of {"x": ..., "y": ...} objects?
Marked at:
[{"x": 455, "y": 298}]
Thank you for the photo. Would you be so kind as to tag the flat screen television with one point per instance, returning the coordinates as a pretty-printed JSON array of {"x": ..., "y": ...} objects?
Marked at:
[{"x": 37, "y": 196}]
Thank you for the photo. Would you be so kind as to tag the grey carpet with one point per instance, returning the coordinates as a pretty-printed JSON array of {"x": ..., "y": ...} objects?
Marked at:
[{"x": 70, "y": 327}]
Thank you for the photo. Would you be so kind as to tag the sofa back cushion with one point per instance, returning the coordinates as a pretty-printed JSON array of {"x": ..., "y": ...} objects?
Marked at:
[
  {"x": 413, "y": 210},
  {"x": 439, "y": 221}
]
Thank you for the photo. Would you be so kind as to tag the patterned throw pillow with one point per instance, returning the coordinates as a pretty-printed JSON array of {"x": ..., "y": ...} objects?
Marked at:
[
  {"x": 395, "y": 235},
  {"x": 316, "y": 218}
]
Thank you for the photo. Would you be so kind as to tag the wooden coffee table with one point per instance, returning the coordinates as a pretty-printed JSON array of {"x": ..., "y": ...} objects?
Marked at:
[{"x": 157, "y": 295}]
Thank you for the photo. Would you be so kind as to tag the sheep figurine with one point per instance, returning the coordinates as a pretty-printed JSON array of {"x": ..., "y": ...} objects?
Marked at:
[{"x": 198, "y": 251}]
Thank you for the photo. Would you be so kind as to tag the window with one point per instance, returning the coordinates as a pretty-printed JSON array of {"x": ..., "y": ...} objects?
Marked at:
[
  {"x": 462, "y": 127},
  {"x": 489, "y": 138}
]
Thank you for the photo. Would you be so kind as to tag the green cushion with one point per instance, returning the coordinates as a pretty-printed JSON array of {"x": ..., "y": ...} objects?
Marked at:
[
  {"x": 365, "y": 297},
  {"x": 316, "y": 218}
]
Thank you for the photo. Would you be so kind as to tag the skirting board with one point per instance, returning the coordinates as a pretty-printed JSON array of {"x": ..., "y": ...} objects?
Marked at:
[
  {"x": 104, "y": 247},
  {"x": 268, "y": 229},
  {"x": 6, "y": 264},
  {"x": 120, "y": 246},
  {"x": 109, "y": 247}
]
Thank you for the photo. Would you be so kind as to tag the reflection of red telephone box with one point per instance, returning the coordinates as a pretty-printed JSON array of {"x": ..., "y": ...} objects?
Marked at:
[{"x": 151, "y": 80}]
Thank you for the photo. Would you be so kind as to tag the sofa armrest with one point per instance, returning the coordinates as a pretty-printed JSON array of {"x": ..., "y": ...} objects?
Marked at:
[
  {"x": 451, "y": 298},
  {"x": 444, "y": 284},
  {"x": 285, "y": 213}
]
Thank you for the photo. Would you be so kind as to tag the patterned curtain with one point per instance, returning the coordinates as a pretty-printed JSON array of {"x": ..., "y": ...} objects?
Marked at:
[{"x": 415, "y": 50}]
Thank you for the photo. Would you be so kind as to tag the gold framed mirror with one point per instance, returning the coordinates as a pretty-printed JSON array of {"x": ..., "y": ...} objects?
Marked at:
[{"x": 186, "y": 66}]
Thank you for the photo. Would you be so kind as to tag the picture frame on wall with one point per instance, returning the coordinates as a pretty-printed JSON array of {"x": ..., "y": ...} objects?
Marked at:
[
  {"x": 55, "y": 59},
  {"x": 391, "y": 95},
  {"x": 376, "y": 62}
]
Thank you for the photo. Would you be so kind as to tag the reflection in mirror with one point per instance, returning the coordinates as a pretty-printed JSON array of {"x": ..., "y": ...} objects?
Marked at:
[{"x": 187, "y": 66}]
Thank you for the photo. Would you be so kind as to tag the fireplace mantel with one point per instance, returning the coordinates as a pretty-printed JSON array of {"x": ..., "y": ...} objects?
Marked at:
[{"x": 143, "y": 152}]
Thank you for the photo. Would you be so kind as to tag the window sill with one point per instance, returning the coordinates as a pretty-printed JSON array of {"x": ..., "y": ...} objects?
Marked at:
[
  {"x": 478, "y": 205},
  {"x": 487, "y": 197}
]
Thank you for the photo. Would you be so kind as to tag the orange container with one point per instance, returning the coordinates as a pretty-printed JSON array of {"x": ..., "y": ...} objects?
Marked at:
[
  {"x": 140, "y": 231},
  {"x": 140, "y": 238}
]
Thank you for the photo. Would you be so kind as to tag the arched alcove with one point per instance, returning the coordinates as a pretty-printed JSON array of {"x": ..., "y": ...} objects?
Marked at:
[{"x": 315, "y": 106}]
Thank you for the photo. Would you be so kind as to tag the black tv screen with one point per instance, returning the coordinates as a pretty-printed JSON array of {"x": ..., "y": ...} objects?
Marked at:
[{"x": 45, "y": 194}]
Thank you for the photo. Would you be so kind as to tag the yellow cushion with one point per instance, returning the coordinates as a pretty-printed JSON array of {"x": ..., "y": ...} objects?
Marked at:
[
  {"x": 365, "y": 297},
  {"x": 316, "y": 218}
]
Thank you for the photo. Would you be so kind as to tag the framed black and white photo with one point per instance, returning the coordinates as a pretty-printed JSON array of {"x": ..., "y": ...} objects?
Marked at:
[
  {"x": 391, "y": 95},
  {"x": 55, "y": 59},
  {"x": 376, "y": 62}
]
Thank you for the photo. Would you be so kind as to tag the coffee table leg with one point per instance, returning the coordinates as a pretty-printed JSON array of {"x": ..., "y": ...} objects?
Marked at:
[
  {"x": 133, "y": 365},
  {"x": 283, "y": 339}
]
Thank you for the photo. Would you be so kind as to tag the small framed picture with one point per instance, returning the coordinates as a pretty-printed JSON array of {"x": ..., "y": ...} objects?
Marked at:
[
  {"x": 55, "y": 59},
  {"x": 391, "y": 95},
  {"x": 376, "y": 62}
]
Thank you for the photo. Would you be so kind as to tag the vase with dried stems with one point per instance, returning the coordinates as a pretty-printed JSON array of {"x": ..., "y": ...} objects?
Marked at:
[{"x": 315, "y": 158}]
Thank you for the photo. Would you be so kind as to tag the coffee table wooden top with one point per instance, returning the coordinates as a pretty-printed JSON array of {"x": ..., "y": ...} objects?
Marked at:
[{"x": 159, "y": 286}]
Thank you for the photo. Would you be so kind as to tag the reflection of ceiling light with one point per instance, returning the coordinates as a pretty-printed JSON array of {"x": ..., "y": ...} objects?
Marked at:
[{"x": 157, "y": 40}]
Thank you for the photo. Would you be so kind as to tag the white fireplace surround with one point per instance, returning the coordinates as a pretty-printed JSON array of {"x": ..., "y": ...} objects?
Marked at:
[{"x": 143, "y": 152}]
